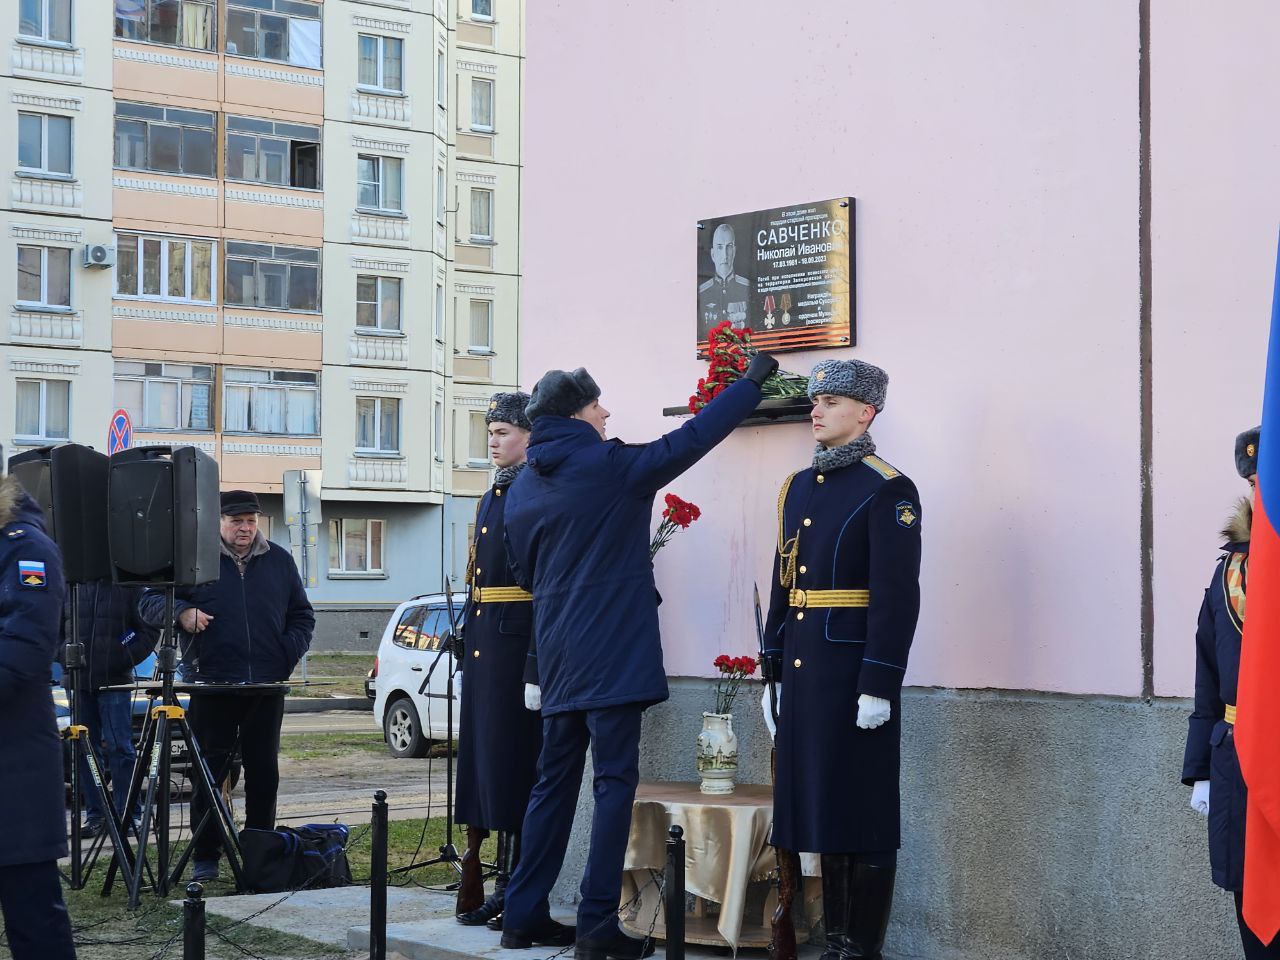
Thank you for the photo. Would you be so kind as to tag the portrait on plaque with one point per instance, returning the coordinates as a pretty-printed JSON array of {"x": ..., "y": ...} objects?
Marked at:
[{"x": 787, "y": 273}]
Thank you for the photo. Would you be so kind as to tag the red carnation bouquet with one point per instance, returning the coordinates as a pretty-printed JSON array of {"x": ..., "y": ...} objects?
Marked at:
[
  {"x": 733, "y": 670},
  {"x": 678, "y": 515},
  {"x": 731, "y": 351}
]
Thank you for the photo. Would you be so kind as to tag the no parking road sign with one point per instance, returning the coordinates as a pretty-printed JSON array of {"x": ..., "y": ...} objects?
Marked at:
[{"x": 120, "y": 436}]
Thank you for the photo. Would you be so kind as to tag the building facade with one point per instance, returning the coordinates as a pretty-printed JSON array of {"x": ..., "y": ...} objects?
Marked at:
[{"x": 283, "y": 231}]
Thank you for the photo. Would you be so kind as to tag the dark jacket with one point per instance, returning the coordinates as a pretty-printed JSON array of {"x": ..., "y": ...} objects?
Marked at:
[
  {"x": 115, "y": 637},
  {"x": 262, "y": 620},
  {"x": 32, "y": 804},
  {"x": 578, "y": 533},
  {"x": 1211, "y": 743},
  {"x": 857, "y": 528}
]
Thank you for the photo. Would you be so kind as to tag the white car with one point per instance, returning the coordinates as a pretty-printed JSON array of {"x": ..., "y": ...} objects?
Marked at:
[{"x": 411, "y": 651}]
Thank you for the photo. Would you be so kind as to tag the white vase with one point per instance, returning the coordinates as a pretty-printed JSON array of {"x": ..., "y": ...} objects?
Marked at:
[{"x": 717, "y": 753}]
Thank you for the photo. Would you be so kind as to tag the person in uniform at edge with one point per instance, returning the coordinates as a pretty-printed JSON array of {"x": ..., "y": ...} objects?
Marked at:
[
  {"x": 1210, "y": 766},
  {"x": 32, "y": 805},
  {"x": 845, "y": 599},
  {"x": 578, "y": 533},
  {"x": 499, "y": 739},
  {"x": 724, "y": 296}
]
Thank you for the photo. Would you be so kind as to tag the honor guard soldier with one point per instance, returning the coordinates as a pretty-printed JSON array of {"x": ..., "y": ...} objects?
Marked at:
[
  {"x": 845, "y": 599},
  {"x": 578, "y": 528},
  {"x": 32, "y": 805},
  {"x": 1210, "y": 766},
  {"x": 499, "y": 738}
]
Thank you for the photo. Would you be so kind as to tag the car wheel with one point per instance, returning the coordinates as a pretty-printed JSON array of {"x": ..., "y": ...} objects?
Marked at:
[{"x": 403, "y": 730}]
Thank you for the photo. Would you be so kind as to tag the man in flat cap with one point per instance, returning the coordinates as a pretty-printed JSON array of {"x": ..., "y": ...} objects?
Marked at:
[
  {"x": 1210, "y": 766},
  {"x": 500, "y": 738},
  {"x": 251, "y": 625},
  {"x": 578, "y": 528},
  {"x": 842, "y": 614}
]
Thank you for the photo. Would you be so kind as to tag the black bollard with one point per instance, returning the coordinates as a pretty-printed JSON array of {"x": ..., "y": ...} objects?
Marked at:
[
  {"x": 675, "y": 893},
  {"x": 378, "y": 879},
  {"x": 193, "y": 923}
]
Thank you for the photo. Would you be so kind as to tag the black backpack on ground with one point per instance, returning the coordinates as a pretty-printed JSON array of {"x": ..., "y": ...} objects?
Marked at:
[{"x": 308, "y": 857}]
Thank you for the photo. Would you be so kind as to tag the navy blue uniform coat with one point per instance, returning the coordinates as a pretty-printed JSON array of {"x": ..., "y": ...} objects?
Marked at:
[
  {"x": 32, "y": 805},
  {"x": 578, "y": 530},
  {"x": 1211, "y": 745},
  {"x": 499, "y": 740},
  {"x": 836, "y": 789}
]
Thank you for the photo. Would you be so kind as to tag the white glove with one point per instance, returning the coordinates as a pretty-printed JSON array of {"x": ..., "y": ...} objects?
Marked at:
[
  {"x": 872, "y": 711},
  {"x": 768, "y": 712},
  {"x": 532, "y": 696},
  {"x": 1200, "y": 797}
]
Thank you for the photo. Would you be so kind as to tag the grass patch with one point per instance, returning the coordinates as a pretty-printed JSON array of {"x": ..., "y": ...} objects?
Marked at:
[
  {"x": 335, "y": 675},
  {"x": 316, "y": 746},
  {"x": 408, "y": 842}
]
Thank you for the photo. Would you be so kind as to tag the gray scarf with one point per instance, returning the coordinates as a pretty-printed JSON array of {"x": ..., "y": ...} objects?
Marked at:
[
  {"x": 504, "y": 475},
  {"x": 826, "y": 459}
]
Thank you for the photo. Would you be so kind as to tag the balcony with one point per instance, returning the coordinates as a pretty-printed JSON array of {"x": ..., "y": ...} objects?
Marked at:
[
  {"x": 296, "y": 212},
  {"x": 149, "y": 67},
  {"x": 46, "y": 194},
  {"x": 381, "y": 109},
  {"x": 373, "y": 350},
  {"x": 378, "y": 473},
  {"x": 383, "y": 230},
  {"x": 46, "y": 329},
  {"x": 40, "y": 61}
]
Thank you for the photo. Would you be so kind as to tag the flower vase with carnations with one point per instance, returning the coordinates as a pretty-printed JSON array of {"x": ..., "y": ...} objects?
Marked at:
[{"x": 717, "y": 743}]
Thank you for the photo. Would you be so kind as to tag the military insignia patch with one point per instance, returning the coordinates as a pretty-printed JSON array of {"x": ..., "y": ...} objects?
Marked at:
[
  {"x": 1251, "y": 449},
  {"x": 31, "y": 573},
  {"x": 820, "y": 375},
  {"x": 907, "y": 516},
  {"x": 493, "y": 404}
]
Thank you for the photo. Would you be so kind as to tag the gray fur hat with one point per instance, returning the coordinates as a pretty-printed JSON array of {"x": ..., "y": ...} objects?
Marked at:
[
  {"x": 508, "y": 408},
  {"x": 561, "y": 394},
  {"x": 862, "y": 381},
  {"x": 1247, "y": 452}
]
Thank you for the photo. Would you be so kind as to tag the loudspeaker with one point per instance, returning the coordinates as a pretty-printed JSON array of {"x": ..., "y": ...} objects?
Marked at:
[
  {"x": 69, "y": 482},
  {"x": 162, "y": 516}
]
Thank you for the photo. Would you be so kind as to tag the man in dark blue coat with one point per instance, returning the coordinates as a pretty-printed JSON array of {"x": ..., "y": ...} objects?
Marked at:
[
  {"x": 843, "y": 610},
  {"x": 251, "y": 625},
  {"x": 578, "y": 528},
  {"x": 499, "y": 739},
  {"x": 32, "y": 807},
  {"x": 1210, "y": 766}
]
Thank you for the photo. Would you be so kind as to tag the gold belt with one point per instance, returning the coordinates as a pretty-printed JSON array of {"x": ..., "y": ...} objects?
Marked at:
[
  {"x": 500, "y": 595},
  {"x": 830, "y": 598},
  {"x": 1231, "y": 714}
]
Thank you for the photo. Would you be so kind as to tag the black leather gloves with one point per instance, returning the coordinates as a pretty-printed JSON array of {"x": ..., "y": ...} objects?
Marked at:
[{"x": 761, "y": 367}]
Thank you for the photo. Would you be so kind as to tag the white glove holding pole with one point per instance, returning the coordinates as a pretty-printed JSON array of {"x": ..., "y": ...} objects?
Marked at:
[
  {"x": 873, "y": 711},
  {"x": 1200, "y": 797},
  {"x": 768, "y": 711},
  {"x": 532, "y": 696}
]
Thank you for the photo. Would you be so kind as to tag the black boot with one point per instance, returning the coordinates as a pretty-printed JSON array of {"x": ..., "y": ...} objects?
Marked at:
[
  {"x": 492, "y": 905},
  {"x": 872, "y": 889},
  {"x": 508, "y": 859},
  {"x": 835, "y": 903}
]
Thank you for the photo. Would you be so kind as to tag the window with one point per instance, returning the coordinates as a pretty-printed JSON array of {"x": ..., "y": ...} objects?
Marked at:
[
  {"x": 284, "y": 30},
  {"x": 44, "y": 277},
  {"x": 355, "y": 546},
  {"x": 440, "y": 188},
  {"x": 261, "y": 151},
  {"x": 439, "y": 317},
  {"x": 45, "y": 20},
  {"x": 481, "y": 215},
  {"x": 481, "y": 9},
  {"x": 441, "y": 79},
  {"x": 379, "y": 183},
  {"x": 178, "y": 23},
  {"x": 437, "y": 430},
  {"x": 44, "y": 144},
  {"x": 478, "y": 438},
  {"x": 377, "y": 425},
  {"x": 44, "y": 409},
  {"x": 164, "y": 268},
  {"x": 482, "y": 105},
  {"x": 377, "y": 303},
  {"x": 270, "y": 401},
  {"x": 165, "y": 396},
  {"x": 419, "y": 627},
  {"x": 481, "y": 326},
  {"x": 381, "y": 63},
  {"x": 272, "y": 277},
  {"x": 164, "y": 139}
]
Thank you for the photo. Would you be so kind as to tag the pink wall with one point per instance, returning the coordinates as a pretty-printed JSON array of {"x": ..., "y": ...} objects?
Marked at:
[{"x": 993, "y": 149}]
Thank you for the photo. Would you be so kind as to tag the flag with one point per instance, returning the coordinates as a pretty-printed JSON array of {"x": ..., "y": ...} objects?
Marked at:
[{"x": 1258, "y": 696}]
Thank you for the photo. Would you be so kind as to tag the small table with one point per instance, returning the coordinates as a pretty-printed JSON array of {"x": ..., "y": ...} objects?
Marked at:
[{"x": 726, "y": 847}]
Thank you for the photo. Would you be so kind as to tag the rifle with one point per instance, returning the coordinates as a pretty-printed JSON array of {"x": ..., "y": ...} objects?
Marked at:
[{"x": 782, "y": 930}]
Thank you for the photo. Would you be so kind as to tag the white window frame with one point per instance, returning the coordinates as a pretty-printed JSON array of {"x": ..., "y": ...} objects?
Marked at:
[
  {"x": 280, "y": 260},
  {"x": 44, "y": 409},
  {"x": 479, "y": 348},
  {"x": 210, "y": 5},
  {"x": 442, "y": 80},
  {"x": 380, "y": 85},
  {"x": 479, "y": 427},
  {"x": 377, "y": 302},
  {"x": 482, "y": 17},
  {"x": 183, "y": 385},
  {"x": 478, "y": 127},
  {"x": 377, "y": 450},
  {"x": 437, "y": 322},
  {"x": 45, "y": 20},
  {"x": 150, "y": 122},
  {"x": 437, "y": 430},
  {"x": 380, "y": 183},
  {"x": 341, "y": 524},
  {"x": 481, "y": 237},
  {"x": 165, "y": 240},
  {"x": 43, "y": 303},
  {"x": 257, "y": 13},
  {"x": 43, "y": 170},
  {"x": 228, "y": 383},
  {"x": 442, "y": 188}
]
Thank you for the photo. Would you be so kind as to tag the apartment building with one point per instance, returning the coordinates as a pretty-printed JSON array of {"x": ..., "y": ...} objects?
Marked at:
[{"x": 286, "y": 232}]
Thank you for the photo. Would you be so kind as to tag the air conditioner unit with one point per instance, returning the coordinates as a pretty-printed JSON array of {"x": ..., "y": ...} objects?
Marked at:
[{"x": 99, "y": 256}]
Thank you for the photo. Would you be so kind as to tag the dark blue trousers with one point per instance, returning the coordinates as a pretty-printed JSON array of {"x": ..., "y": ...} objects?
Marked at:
[
  {"x": 614, "y": 737},
  {"x": 36, "y": 921}
]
